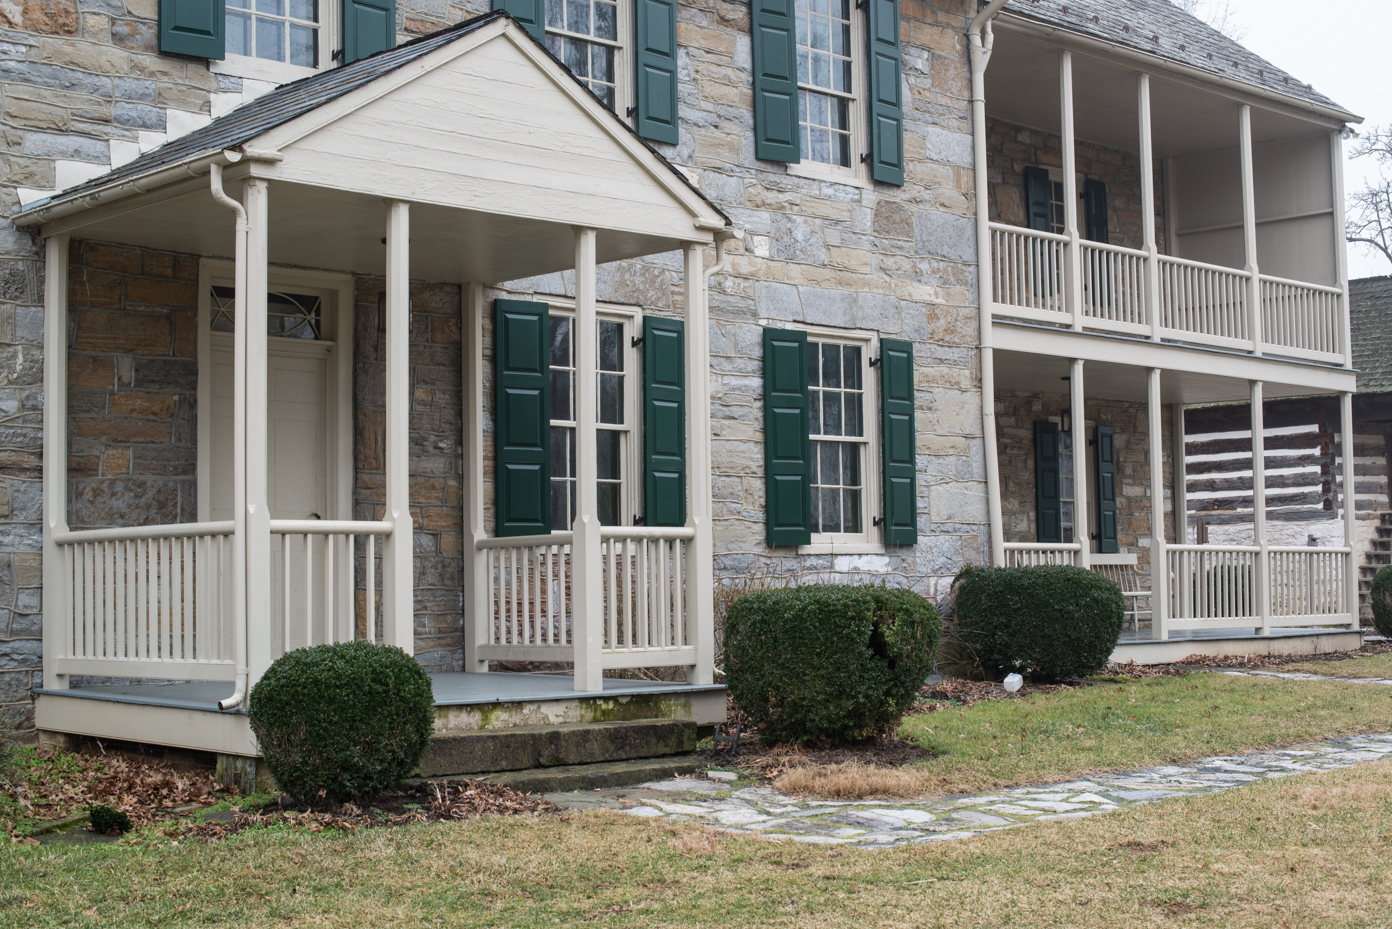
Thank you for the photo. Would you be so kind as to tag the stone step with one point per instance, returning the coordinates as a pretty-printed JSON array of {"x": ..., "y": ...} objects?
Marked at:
[
  {"x": 599, "y": 776},
  {"x": 520, "y": 748}
]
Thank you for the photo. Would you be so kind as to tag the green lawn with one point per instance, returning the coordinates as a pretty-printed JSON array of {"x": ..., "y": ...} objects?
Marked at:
[
  {"x": 1367, "y": 666},
  {"x": 1297, "y": 852}
]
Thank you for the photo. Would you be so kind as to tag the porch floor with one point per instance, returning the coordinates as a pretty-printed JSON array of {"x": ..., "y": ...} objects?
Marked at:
[
  {"x": 1138, "y": 646},
  {"x": 450, "y": 689},
  {"x": 1129, "y": 636}
]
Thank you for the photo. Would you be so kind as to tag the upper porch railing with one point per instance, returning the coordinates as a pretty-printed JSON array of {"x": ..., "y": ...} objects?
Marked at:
[{"x": 1190, "y": 302}]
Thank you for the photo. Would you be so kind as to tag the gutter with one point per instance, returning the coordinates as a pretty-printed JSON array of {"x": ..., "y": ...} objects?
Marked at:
[{"x": 196, "y": 165}]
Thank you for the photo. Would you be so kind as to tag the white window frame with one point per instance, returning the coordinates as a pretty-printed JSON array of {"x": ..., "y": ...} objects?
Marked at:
[
  {"x": 630, "y": 450},
  {"x": 280, "y": 72},
  {"x": 624, "y": 93},
  {"x": 870, "y": 540},
  {"x": 858, "y": 174}
]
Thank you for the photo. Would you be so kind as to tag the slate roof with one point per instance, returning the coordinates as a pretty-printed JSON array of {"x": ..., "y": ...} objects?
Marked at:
[
  {"x": 1160, "y": 28},
  {"x": 290, "y": 101},
  {"x": 1370, "y": 303}
]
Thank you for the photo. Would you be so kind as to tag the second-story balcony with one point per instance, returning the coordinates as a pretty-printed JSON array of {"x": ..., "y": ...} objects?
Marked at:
[{"x": 1151, "y": 203}]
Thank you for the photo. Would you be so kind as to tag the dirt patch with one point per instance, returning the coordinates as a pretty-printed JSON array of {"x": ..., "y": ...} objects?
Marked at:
[
  {"x": 774, "y": 760},
  {"x": 1276, "y": 662}
]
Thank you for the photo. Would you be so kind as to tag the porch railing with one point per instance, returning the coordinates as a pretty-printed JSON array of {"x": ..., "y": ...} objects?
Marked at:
[
  {"x": 1213, "y": 585},
  {"x": 152, "y": 602},
  {"x": 1029, "y": 554},
  {"x": 529, "y": 601},
  {"x": 316, "y": 595},
  {"x": 1308, "y": 585},
  {"x": 1198, "y": 303},
  {"x": 645, "y": 595}
]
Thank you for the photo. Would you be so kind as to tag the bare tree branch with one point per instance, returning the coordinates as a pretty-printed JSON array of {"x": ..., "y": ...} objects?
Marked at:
[
  {"x": 1217, "y": 13},
  {"x": 1369, "y": 211}
]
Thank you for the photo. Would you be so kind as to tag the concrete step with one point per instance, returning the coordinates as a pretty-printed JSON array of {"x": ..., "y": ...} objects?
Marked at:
[
  {"x": 520, "y": 748},
  {"x": 597, "y": 776}
]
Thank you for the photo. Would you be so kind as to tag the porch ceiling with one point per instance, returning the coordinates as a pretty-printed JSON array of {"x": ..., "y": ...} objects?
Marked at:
[
  {"x": 318, "y": 227},
  {"x": 1035, "y": 373},
  {"x": 1022, "y": 86}
]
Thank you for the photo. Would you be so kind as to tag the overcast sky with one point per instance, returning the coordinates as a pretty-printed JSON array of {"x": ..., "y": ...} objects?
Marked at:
[{"x": 1339, "y": 46}]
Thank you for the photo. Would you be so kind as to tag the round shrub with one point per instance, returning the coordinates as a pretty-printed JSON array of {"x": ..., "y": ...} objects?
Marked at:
[
  {"x": 1380, "y": 598},
  {"x": 342, "y": 722},
  {"x": 1051, "y": 621},
  {"x": 828, "y": 662}
]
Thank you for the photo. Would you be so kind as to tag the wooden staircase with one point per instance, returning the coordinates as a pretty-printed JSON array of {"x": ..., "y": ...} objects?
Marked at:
[{"x": 1379, "y": 554}]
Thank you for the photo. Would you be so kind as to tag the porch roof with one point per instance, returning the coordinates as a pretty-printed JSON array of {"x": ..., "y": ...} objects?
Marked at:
[{"x": 497, "y": 146}]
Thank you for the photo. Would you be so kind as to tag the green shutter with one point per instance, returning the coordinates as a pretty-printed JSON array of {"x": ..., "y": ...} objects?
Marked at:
[
  {"x": 193, "y": 27},
  {"x": 886, "y": 102},
  {"x": 776, "y": 127},
  {"x": 1095, "y": 201},
  {"x": 369, "y": 26},
  {"x": 1048, "y": 470},
  {"x": 656, "y": 31},
  {"x": 1039, "y": 199},
  {"x": 530, "y": 14},
  {"x": 664, "y": 421},
  {"x": 1104, "y": 466},
  {"x": 898, "y": 442},
  {"x": 787, "y": 445},
  {"x": 522, "y": 417}
]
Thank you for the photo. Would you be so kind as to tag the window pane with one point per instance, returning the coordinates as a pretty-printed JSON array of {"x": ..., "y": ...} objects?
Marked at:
[
  {"x": 607, "y": 455},
  {"x": 841, "y": 38},
  {"x": 560, "y": 505},
  {"x": 611, "y": 392},
  {"x": 840, "y": 114},
  {"x": 610, "y": 346},
  {"x": 841, "y": 75},
  {"x": 605, "y": 93},
  {"x": 560, "y": 395},
  {"x": 577, "y": 57},
  {"x": 578, "y": 16},
  {"x": 816, "y": 456},
  {"x": 305, "y": 9},
  {"x": 831, "y": 366},
  {"x": 555, "y": 14},
  {"x": 561, "y": 458},
  {"x": 560, "y": 341},
  {"x": 239, "y": 4},
  {"x": 830, "y": 455},
  {"x": 852, "y": 367},
  {"x": 270, "y": 39},
  {"x": 850, "y": 514},
  {"x": 817, "y": 109},
  {"x": 831, "y": 509},
  {"x": 821, "y": 70},
  {"x": 855, "y": 424},
  {"x": 274, "y": 7},
  {"x": 608, "y": 500},
  {"x": 816, "y": 509},
  {"x": 606, "y": 21},
  {"x": 238, "y": 34},
  {"x": 821, "y": 33},
  {"x": 813, "y": 357},
  {"x": 304, "y": 45},
  {"x": 601, "y": 64},
  {"x": 850, "y": 464},
  {"x": 814, "y": 412},
  {"x": 831, "y": 413}
]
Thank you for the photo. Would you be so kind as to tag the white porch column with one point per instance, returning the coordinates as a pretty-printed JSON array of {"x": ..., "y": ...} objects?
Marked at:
[
  {"x": 398, "y": 607},
  {"x": 1350, "y": 507},
  {"x": 989, "y": 449},
  {"x": 1073, "y": 268},
  {"x": 1181, "y": 479},
  {"x": 257, "y": 504},
  {"x": 1336, "y": 155},
  {"x": 1159, "y": 559},
  {"x": 1249, "y": 229},
  {"x": 700, "y": 552},
  {"x": 57, "y": 610},
  {"x": 1261, "y": 588},
  {"x": 586, "y": 558},
  {"x": 477, "y": 611},
  {"x": 1081, "y": 531},
  {"x": 1152, "y": 264}
]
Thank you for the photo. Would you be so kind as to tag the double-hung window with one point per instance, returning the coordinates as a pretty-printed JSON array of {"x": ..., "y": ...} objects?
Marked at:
[
  {"x": 840, "y": 450},
  {"x": 614, "y": 418},
  {"x": 828, "y": 39},
  {"x": 285, "y": 31},
  {"x": 590, "y": 36}
]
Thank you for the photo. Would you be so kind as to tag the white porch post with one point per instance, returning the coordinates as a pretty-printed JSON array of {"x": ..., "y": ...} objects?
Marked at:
[
  {"x": 1249, "y": 229},
  {"x": 1080, "y": 453},
  {"x": 398, "y": 609},
  {"x": 477, "y": 612},
  {"x": 1181, "y": 479},
  {"x": 1350, "y": 508},
  {"x": 1152, "y": 262},
  {"x": 257, "y": 505},
  {"x": 1336, "y": 154},
  {"x": 700, "y": 552},
  {"x": 1159, "y": 559},
  {"x": 1073, "y": 269},
  {"x": 586, "y": 557},
  {"x": 57, "y": 611},
  {"x": 1259, "y": 580}
]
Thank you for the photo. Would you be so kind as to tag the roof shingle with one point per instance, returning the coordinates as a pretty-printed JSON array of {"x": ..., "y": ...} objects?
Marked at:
[{"x": 1370, "y": 305}]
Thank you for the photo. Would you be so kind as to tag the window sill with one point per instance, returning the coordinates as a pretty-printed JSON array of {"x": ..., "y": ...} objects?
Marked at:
[
  {"x": 259, "y": 69},
  {"x": 842, "y": 548},
  {"x": 818, "y": 172}
]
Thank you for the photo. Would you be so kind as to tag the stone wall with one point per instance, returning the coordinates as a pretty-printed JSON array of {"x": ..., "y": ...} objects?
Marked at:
[
  {"x": 1016, "y": 414},
  {"x": 1011, "y": 148}
]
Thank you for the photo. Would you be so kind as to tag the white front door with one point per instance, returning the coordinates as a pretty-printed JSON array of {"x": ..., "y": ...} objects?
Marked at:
[{"x": 300, "y": 409}]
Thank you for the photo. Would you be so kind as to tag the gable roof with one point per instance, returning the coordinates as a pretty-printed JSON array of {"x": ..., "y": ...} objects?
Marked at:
[
  {"x": 293, "y": 100},
  {"x": 1370, "y": 306},
  {"x": 1158, "y": 27}
]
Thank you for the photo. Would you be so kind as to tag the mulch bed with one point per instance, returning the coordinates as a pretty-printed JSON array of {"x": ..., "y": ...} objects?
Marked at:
[{"x": 1276, "y": 662}]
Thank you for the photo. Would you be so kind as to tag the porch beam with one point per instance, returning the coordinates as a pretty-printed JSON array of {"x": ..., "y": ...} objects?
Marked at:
[
  {"x": 1152, "y": 264},
  {"x": 398, "y": 608},
  {"x": 57, "y": 588},
  {"x": 1249, "y": 228},
  {"x": 257, "y": 447},
  {"x": 477, "y": 609},
  {"x": 1073, "y": 272},
  {"x": 1259, "y": 579},
  {"x": 1350, "y": 508},
  {"x": 1159, "y": 558},
  {"x": 700, "y": 551},
  {"x": 1080, "y": 453},
  {"x": 587, "y": 593}
]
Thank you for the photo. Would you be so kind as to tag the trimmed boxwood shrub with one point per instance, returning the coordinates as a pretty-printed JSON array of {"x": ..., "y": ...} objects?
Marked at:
[
  {"x": 1380, "y": 598},
  {"x": 1050, "y": 621},
  {"x": 828, "y": 662},
  {"x": 342, "y": 722}
]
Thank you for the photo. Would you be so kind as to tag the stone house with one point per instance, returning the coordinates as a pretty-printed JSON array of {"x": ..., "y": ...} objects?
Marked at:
[{"x": 572, "y": 314}]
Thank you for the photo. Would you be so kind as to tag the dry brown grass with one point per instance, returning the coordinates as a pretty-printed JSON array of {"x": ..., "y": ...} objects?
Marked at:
[{"x": 849, "y": 781}]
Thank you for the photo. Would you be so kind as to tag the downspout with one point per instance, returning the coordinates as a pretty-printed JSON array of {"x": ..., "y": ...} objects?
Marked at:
[
  {"x": 981, "y": 40},
  {"x": 239, "y": 618}
]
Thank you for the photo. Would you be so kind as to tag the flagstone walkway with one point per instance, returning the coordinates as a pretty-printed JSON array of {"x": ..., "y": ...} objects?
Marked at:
[{"x": 766, "y": 812}]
